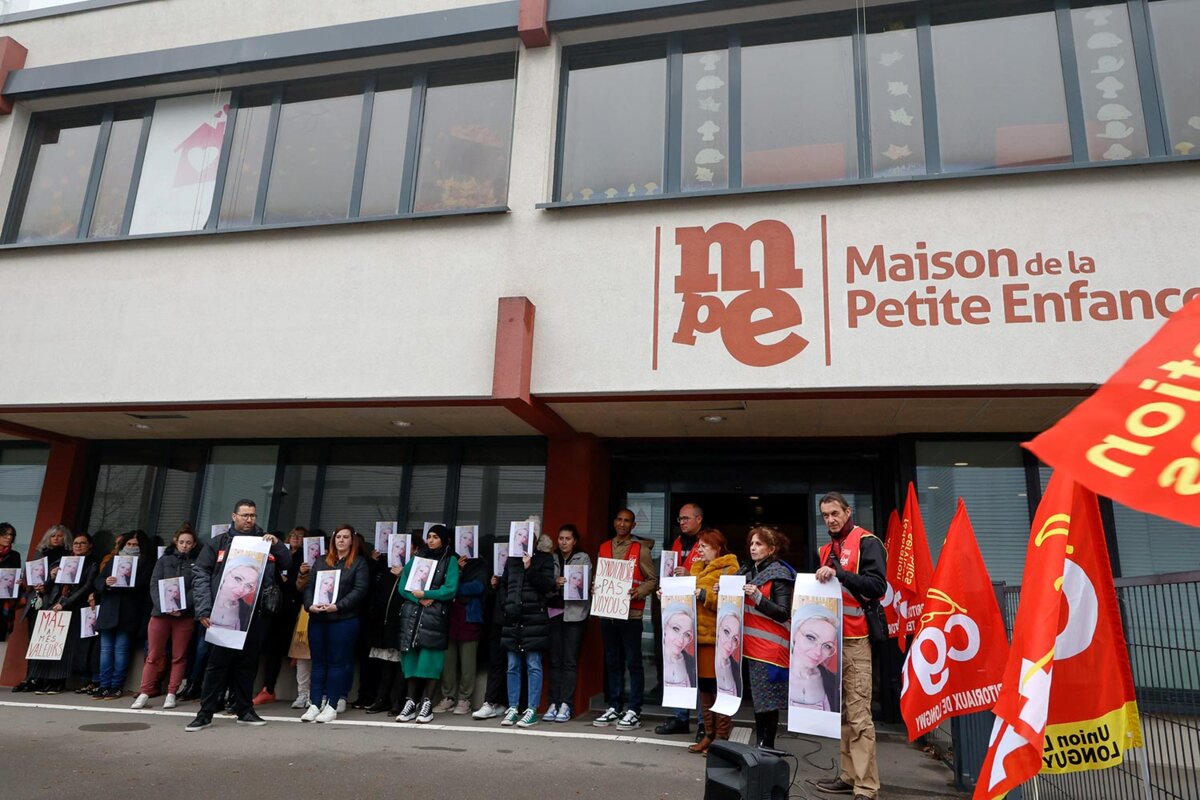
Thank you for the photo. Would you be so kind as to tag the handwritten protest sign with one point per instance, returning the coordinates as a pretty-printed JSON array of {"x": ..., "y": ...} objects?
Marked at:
[
  {"x": 49, "y": 636},
  {"x": 614, "y": 579}
]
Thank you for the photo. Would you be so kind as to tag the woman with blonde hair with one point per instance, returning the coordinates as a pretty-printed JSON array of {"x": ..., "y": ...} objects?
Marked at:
[{"x": 713, "y": 560}]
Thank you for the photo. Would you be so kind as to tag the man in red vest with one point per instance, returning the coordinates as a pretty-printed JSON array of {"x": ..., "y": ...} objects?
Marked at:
[
  {"x": 622, "y": 638},
  {"x": 859, "y": 561}
]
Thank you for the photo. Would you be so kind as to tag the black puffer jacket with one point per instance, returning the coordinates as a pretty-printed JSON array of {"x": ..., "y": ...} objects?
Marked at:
[
  {"x": 524, "y": 592},
  {"x": 428, "y": 627}
]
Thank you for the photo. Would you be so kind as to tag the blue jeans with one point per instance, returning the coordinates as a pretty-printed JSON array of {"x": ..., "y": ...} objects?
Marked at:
[
  {"x": 114, "y": 658},
  {"x": 332, "y": 648},
  {"x": 623, "y": 650},
  {"x": 533, "y": 674}
]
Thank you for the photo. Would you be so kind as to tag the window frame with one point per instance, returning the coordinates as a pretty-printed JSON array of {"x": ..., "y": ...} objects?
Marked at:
[
  {"x": 922, "y": 14},
  {"x": 419, "y": 74}
]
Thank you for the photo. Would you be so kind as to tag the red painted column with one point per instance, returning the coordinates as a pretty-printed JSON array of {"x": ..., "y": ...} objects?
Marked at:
[
  {"x": 61, "y": 489},
  {"x": 577, "y": 485},
  {"x": 12, "y": 57},
  {"x": 532, "y": 24}
]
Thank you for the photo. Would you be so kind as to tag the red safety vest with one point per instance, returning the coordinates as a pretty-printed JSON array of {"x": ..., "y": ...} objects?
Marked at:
[
  {"x": 854, "y": 623},
  {"x": 632, "y": 554},
  {"x": 765, "y": 639},
  {"x": 692, "y": 557}
]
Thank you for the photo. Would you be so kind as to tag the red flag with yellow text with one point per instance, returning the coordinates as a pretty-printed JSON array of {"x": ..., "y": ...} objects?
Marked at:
[
  {"x": 910, "y": 567},
  {"x": 957, "y": 658},
  {"x": 891, "y": 544},
  {"x": 1136, "y": 439},
  {"x": 1066, "y": 701}
]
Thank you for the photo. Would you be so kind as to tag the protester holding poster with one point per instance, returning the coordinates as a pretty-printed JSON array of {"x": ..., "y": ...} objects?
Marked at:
[
  {"x": 54, "y": 545},
  {"x": 122, "y": 610},
  {"x": 170, "y": 622},
  {"x": 568, "y": 621},
  {"x": 50, "y": 676},
  {"x": 622, "y": 638},
  {"x": 768, "y": 591},
  {"x": 10, "y": 559},
  {"x": 425, "y": 625},
  {"x": 242, "y": 554},
  {"x": 678, "y": 597},
  {"x": 466, "y": 629},
  {"x": 859, "y": 562},
  {"x": 382, "y": 622},
  {"x": 526, "y": 584},
  {"x": 711, "y": 562},
  {"x": 333, "y": 601}
]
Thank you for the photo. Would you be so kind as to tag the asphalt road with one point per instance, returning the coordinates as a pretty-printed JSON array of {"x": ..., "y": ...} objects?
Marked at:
[{"x": 101, "y": 751}]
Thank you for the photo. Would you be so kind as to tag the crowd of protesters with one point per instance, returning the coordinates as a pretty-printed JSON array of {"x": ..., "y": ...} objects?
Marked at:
[{"x": 416, "y": 650}]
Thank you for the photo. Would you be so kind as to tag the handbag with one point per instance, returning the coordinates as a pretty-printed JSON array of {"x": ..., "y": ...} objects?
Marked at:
[{"x": 270, "y": 598}]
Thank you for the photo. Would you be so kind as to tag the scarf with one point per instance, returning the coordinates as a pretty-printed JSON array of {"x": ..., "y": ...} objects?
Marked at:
[{"x": 130, "y": 551}]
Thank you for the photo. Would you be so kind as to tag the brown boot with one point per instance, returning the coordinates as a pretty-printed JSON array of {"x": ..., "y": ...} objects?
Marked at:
[
  {"x": 701, "y": 747},
  {"x": 724, "y": 726}
]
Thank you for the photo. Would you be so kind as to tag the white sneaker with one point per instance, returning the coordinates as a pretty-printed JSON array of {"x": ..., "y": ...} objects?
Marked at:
[
  {"x": 607, "y": 718},
  {"x": 141, "y": 701},
  {"x": 551, "y": 712},
  {"x": 300, "y": 702},
  {"x": 463, "y": 707},
  {"x": 510, "y": 717},
  {"x": 409, "y": 712},
  {"x": 630, "y": 721},
  {"x": 341, "y": 706},
  {"x": 169, "y": 702},
  {"x": 488, "y": 711},
  {"x": 310, "y": 714},
  {"x": 564, "y": 713},
  {"x": 328, "y": 714}
]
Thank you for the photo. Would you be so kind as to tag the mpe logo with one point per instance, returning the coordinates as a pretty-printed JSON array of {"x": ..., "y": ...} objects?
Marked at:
[{"x": 749, "y": 299}]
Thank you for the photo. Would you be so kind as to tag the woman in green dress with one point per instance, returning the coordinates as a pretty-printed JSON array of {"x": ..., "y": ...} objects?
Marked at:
[{"x": 425, "y": 623}]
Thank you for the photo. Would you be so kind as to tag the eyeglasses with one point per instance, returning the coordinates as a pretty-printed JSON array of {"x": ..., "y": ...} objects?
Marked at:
[{"x": 247, "y": 516}]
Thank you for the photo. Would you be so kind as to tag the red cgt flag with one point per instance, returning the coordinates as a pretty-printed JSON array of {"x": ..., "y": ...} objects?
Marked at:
[
  {"x": 1066, "y": 703},
  {"x": 1137, "y": 439},
  {"x": 956, "y": 661},
  {"x": 910, "y": 567},
  {"x": 891, "y": 544}
]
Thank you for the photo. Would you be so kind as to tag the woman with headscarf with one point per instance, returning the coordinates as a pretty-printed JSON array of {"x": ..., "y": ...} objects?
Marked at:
[
  {"x": 170, "y": 624},
  {"x": 122, "y": 614},
  {"x": 769, "y": 582},
  {"x": 814, "y": 649},
  {"x": 425, "y": 625},
  {"x": 54, "y": 546},
  {"x": 713, "y": 560}
]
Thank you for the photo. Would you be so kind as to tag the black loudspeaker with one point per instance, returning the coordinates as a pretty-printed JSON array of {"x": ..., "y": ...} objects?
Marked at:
[{"x": 739, "y": 772}]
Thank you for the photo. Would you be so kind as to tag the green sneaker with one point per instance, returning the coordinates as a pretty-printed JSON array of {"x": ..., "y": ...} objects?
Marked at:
[
  {"x": 510, "y": 717},
  {"x": 528, "y": 719}
]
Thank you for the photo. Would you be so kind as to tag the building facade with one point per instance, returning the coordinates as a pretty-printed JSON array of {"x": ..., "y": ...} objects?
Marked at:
[{"x": 471, "y": 262}]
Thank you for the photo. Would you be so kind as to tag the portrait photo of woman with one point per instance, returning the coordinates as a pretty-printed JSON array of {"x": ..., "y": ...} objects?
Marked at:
[
  {"x": 729, "y": 650},
  {"x": 679, "y": 644},
  {"x": 233, "y": 604},
  {"x": 8, "y": 583},
  {"x": 814, "y": 677},
  {"x": 575, "y": 585}
]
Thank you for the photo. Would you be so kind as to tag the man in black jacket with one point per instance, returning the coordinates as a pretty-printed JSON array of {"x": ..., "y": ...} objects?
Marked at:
[{"x": 228, "y": 667}]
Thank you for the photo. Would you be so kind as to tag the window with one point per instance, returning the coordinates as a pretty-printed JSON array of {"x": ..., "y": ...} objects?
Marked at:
[
  {"x": 61, "y": 165},
  {"x": 184, "y": 467},
  {"x": 616, "y": 126},
  {"x": 494, "y": 495},
  {"x": 362, "y": 486},
  {"x": 1176, "y": 29},
  {"x": 705, "y": 104},
  {"x": 22, "y": 471},
  {"x": 235, "y": 472},
  {"x": 1151, "y": 545},
  {"x": 894, "y": 85},
  {"x": 124, "y": 492},
  {"x": 1108, "y": 83},
  {"x": 302, "y": 153},
  {"x": 1000, "y": 94},
  {"x": 990, "y": 478},
  {"x": 800, "y": 130},
  {"x": 312, "y": 169},
  {"x": 466, "y": 133}
]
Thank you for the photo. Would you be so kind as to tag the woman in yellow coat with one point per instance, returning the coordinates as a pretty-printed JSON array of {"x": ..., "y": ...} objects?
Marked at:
[{"x": 714, "y": 561}]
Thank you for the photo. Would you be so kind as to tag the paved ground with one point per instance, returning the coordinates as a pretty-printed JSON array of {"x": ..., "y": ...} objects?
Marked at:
[{"x": 67, "y": 747}]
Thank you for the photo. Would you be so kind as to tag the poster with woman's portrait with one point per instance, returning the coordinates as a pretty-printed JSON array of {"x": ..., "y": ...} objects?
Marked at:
[
  {"x": 398, "y": 549},
  {"x": 499, "y": 558},
  {"x": 466, "y": 540},
  {"x": 325, "y": 590},
  {"x": 575, "y": 581},
  {"x": 236, "y": 594},
  {"x": 124, "y": 569},
  {"x": 731, "y": 606},
  {"x": 70, "y": 568},
  {"x": 171, "y": 595},
  {"x": 519, "y": 540},
  {"x": 10, "y": 583},
  {"x": 666, "y": 566},
  {"x": 87, "y": 622},
  {"x": 382, "y": 531},
  {"x": 314, "y": 548},
  {"x": 679, "y": 642},
  {"x": 815, "y": 674},
  {"x": 37, "y": 571},
  {"x": 421, "y": 575}
]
